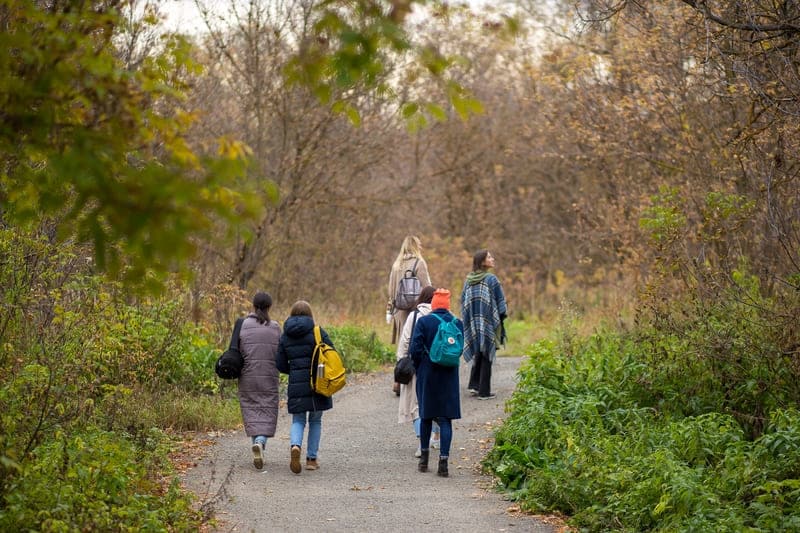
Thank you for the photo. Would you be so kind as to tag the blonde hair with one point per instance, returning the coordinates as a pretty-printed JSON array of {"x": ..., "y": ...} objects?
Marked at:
[
  {"x": 301, "y": 308},
  {"x": 411, "y": 247}
]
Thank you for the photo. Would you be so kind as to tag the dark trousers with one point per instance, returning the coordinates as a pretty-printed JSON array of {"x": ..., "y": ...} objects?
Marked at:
[
  {"x": 445, "y": 434},
  {"x": 480, "y": 376}
]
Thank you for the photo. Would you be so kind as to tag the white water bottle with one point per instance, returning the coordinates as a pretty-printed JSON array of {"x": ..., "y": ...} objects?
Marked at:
[
  {"x": 320, "y": 370},
  {"x": 388, "y": 316}
]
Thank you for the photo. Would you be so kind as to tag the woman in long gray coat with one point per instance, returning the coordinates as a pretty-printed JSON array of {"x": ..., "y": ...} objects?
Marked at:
[{"x": 258, "y": 383}]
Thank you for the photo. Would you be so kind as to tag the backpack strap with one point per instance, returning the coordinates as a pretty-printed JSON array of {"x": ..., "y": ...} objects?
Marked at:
[
  {"x": 414, "y": 323},
  {"x": 414, "y": 268},
  {"x": 237, "y": 328},
  {"x": 317, "y": 335}
]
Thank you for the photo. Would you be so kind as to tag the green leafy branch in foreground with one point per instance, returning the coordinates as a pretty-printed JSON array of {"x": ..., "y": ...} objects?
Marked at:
[
  {"x": 99, "y": 149},
  {"x": 350, "y": 46}
]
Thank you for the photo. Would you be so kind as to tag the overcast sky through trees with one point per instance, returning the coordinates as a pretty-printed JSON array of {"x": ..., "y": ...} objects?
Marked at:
[{"x": 183, "y": 15}]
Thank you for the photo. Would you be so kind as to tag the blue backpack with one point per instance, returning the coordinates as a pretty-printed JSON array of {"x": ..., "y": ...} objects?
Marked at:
[{"x": 448, "y": 343}]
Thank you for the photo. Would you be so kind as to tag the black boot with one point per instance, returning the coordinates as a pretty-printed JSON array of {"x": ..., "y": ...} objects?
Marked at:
[
  {"x": 443, "y": 467},
  {"x": 423, "y": 460}
]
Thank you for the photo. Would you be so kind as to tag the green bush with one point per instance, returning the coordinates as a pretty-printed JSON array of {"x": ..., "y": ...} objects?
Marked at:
[
  {"x": 586, "y": 439},
  {"x": 96, "y": 481},
  {"x": 361, "y": 350},
  {"x": 80, "y": 352}
]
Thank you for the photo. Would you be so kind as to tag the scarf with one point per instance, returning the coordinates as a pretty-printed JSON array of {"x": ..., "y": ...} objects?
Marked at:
[{"x": 476, "y": 276}]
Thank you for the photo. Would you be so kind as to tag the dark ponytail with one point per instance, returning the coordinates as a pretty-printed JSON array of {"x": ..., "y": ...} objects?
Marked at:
[{"x": 261, "y": 304}]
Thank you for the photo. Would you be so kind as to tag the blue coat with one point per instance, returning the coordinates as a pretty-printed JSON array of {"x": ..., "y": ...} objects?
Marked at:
[
  {"x": 294, "y": 358},
  {"x": 437, "y": 386}
]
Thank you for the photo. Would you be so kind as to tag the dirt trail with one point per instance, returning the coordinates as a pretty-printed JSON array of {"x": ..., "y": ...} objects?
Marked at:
[{"x": 368, "y": 478}]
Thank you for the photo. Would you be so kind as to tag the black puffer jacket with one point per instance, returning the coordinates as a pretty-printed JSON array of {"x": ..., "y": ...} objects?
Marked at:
[{"x": 294, "y": 358}]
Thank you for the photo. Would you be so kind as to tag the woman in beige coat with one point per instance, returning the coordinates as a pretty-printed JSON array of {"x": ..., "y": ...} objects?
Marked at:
[
  {"x": 410, "y": 253},
  {"x": 409, "y": 258},
  {"x": 408, "y": 408}
]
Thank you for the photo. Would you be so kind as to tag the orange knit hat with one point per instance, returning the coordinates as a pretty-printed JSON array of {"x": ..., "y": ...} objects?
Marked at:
[{"x": 441, "y": 299}]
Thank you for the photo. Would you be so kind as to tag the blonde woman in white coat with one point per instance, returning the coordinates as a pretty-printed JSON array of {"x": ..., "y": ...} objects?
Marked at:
[{"x": 408, "y": 408}]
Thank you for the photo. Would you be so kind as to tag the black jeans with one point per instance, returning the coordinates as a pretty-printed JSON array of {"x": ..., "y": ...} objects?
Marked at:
[{"x": 480, "y": 376}]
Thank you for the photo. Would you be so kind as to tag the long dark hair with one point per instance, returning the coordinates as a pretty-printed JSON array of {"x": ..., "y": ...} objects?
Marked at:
[
  {"x": 478, "y": 259},
  {"x": 262, "y": 301},
  {"x": 425, "y": 295}
]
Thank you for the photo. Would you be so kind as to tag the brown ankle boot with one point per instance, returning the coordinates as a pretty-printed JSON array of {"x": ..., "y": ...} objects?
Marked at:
[
  {"x": 443, "y": 467},
  {"x": 423, "y": 461}
]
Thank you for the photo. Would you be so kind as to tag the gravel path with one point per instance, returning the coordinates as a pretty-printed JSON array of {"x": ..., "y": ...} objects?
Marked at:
[{"x": 368, "y": 478}]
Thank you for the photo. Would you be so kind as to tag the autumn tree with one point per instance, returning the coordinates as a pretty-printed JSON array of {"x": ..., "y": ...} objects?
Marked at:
[{"x": 96, "y": 145}]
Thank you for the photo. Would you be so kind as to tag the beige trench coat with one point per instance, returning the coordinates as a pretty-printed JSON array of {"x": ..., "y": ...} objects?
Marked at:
[
  {"x": 408, "y": 408},
  {"x": 399, "y": 316}
]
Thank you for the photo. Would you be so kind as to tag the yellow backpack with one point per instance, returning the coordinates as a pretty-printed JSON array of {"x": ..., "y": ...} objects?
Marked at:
[{"x": 327, "y": 369}]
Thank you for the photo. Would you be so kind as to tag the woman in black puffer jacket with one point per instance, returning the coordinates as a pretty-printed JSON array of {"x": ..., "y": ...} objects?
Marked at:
[{"x": 294, "y": 358}]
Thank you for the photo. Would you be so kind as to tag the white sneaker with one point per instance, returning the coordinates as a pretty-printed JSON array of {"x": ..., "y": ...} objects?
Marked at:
[
  {"x": 418, "y": 453},
  {"x": 258, "y": 457},
  {"x": 434, "y": 443}
]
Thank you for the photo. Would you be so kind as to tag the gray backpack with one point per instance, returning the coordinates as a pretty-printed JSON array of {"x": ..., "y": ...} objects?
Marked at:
[{"x": 408, "y": 289}]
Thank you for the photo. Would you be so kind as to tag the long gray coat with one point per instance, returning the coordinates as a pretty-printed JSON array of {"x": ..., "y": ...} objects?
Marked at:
[{"x": 258, "y": 384}]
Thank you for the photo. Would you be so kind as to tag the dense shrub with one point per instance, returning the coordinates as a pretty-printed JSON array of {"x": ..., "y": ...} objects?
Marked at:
[
  {"x": 96, "y": 481},
  {"x": 587, "y": 438},
  {"x": 92, "y": 370},
  {"x": 362, "y": 350}
]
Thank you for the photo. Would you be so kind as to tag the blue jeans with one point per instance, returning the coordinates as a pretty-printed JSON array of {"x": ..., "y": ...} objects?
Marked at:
[
  {"x": 417, "y": 424},
  {"x": 445, "y": 435},
  {"x": 314, "y": 431},
  {"x": 261, "y": 439}
]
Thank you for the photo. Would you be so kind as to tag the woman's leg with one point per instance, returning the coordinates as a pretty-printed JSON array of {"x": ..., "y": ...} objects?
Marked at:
[
  {"x": 485, "y": 378},
  {"x": 417, "y": 424},
  {"x": 314, "y": 433},
  {"x": 424, "y": 443},
  {"x": 296, "y": 440},
  {"x": 446, "y": 427},
  {"x": 297, "y": 430},
  {"x": 259, "y": 442},
  {"x": 435, "y": 434},
  {"x": 475, "y": 373},
  {"x": 425, "y": 433}
]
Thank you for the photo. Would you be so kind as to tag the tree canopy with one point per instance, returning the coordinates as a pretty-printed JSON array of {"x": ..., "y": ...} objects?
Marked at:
[{"x": 96, "y": 149}]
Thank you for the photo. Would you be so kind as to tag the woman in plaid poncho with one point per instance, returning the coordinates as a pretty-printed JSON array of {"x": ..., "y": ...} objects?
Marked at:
[{"x": 483, "y": 309}]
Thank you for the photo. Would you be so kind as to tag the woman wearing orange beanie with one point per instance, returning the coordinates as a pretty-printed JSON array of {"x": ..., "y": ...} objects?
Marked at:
[{"x": 437, "y": 385}]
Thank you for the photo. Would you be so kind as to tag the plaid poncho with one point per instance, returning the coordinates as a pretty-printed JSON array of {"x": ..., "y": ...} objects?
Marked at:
[{"x": 482, "y": 304}]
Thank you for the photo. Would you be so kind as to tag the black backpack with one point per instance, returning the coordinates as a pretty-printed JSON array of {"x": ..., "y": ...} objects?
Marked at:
[
  {"x": 408, "y": 289},
  {"x": 230, "y": 363}
]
